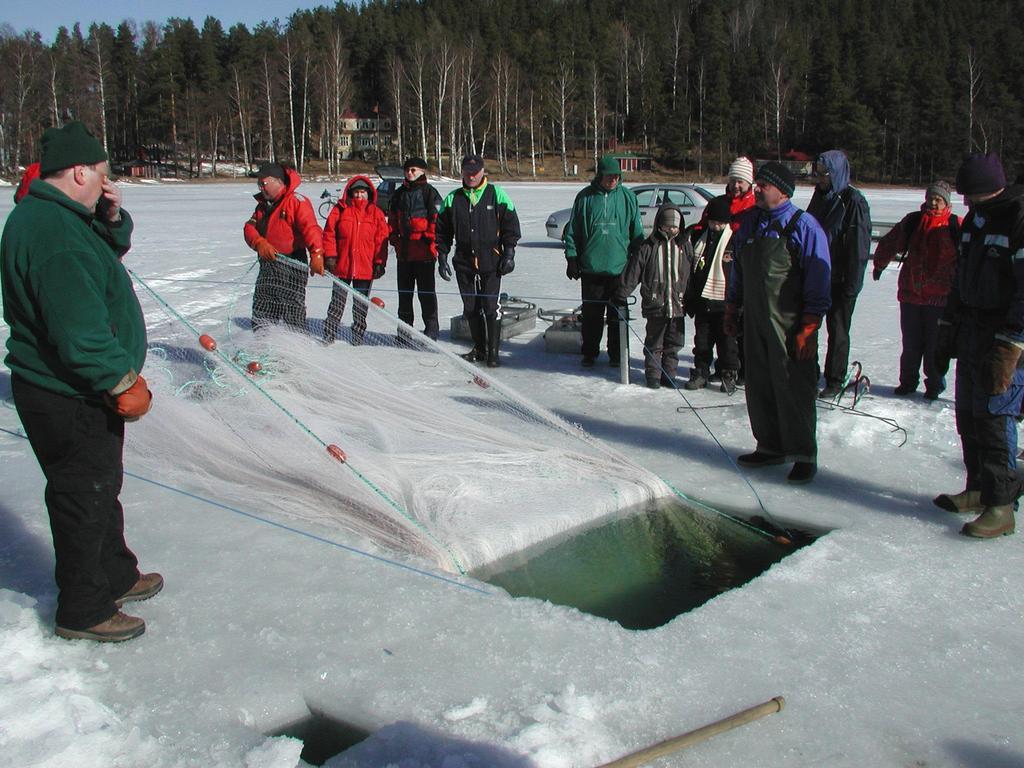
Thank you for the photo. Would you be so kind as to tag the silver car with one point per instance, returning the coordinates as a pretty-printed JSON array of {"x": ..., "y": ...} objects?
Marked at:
[{"x": 688, "y": 198}]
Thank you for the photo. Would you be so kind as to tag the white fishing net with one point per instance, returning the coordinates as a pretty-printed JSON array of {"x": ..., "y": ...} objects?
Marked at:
[{"x": 441, "y": 461}]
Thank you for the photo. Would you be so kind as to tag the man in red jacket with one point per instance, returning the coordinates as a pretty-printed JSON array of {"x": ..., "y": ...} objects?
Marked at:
[{"x": 283, "y": 223}]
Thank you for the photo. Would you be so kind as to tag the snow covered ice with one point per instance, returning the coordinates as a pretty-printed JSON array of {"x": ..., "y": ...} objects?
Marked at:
[{"x": 893, "y": 639}]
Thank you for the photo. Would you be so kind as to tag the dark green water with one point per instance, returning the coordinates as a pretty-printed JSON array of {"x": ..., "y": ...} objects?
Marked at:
[{"x": 642, "y": 569}]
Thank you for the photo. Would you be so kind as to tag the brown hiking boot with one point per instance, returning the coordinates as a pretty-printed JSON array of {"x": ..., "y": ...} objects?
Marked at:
[
  {"x": 965, "y": 502},
  {"x": 116, "y": 629},
  {"x": 992, "y": 523},
  {"x": 148, "y": 585}
]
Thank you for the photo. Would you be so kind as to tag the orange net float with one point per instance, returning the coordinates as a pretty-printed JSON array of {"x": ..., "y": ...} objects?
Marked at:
[
  {"x": 337, "y": 453},
  {"x": 480, "y": 382},
  {"x": 254, "y": 367},
  {"x": 206, "y": 341},
  {"x": 377, "y": 301}
]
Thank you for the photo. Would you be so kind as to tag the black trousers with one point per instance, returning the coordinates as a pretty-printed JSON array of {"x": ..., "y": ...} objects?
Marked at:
[
  {"x": 662, "y": 343},
  {"x": 838, "y": 321},
  {"x": 280, "y": 295},
  {"x": 336, "y": 309},
  {"x": 599, "y": 309},
  {"x": 987, "y": 424},
  {"x": 919, "y": 324},
  {"x": 707, "y": 335},
  {"x": 79, "y": 443},
  {"x": 418, "y": 276},
  {"x": 479, "y": 298}
]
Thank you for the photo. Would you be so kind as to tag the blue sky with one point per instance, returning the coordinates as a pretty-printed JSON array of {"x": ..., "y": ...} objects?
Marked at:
[{"x": 45, "y": 16}]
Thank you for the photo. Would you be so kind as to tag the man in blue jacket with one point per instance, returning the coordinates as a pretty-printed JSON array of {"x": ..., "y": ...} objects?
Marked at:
[
  {"x": 605, "y": 224},
  {"x": 780, "y": 279}
]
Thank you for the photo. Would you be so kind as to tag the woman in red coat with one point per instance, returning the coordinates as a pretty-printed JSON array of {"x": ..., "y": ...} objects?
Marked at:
[
  {"x": 355, "y": 251},
  {"x": 929, "y": 238}
]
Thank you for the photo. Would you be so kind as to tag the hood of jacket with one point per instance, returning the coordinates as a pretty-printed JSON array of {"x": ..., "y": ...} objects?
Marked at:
[
  {"x": 364, "y": 179},
  {"x": 838, "y": 166},
  {"x": 660, "y": 217}
]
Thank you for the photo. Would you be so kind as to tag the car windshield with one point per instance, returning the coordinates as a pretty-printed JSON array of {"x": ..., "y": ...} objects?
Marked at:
[{"x": 705, "y": 194}]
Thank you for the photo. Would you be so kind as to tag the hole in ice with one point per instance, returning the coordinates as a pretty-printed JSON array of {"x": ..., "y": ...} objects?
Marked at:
[
  {"x": 643, "y": 568},
  {"x": 322, "y": 737}
]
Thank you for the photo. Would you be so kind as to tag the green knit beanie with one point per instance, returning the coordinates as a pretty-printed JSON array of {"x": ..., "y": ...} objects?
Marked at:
[
  {"x": 67, "y": 146},
  {"x": 608, "y": 166}
]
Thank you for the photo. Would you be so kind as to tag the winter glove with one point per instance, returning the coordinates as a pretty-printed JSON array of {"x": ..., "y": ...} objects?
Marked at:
[
  {"x": 572, "y": 269},
  {"x": 132, "y": 402},
  {"x": 731, "y": 322},
  {"x": 945, "y": 345},
  {"x": 998, "y": 366},
  {"x": 876, "y": 273},
  {"x": 264, "y": 249},
  {"x": 331, "y": 264},
  {"x": 806, "y": 340},
  {"x": 316, "y": 261},
  {"x": 378, "y": 270},
  {"x": 444, "y": 269},
  {"x": 507, "y": 262}
]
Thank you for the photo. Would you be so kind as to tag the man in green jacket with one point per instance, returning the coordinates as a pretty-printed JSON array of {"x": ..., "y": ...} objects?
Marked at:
[
  {"x": 605, "y": 224},
  {"x": 77, "y": 343}
]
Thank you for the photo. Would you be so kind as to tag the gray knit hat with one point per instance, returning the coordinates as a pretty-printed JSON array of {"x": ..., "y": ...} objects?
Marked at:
[{"x": 941, "y": 189}]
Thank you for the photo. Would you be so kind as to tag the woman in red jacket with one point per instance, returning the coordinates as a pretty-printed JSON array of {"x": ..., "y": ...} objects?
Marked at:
[
  {"x": 929, "y": 238},
  {"x": 355, "y": 251}
]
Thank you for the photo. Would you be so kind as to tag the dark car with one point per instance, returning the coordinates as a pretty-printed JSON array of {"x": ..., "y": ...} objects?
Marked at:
[
  {"x": 689, "y": 198},
  {"x": 391, "y": 178}
]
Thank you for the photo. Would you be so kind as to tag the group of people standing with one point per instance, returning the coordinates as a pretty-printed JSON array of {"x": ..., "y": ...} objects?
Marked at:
[
  {"x": 477, "y": 219},
  {"x": 756, "y": 267}
]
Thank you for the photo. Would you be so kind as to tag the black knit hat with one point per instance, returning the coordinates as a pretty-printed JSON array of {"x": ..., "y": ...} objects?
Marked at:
[
  {"x": 414, "y": 162},
  {"x": 719, "y": 209},
  {"x": 979, "y": 174},
  {"x": 272, "y": 170},
  {"x": 71, "y": 145},
  {"x": 778, "y": 176}
]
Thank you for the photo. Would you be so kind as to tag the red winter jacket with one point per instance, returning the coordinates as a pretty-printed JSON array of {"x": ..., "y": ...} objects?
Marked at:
[
  {"x": 737, "y": 205},
  {"x": 32, "y": 172},
  {"x": 413, "y": 220},
  {"x": 930, "y": 263},
  {"x": 288, "y": 223},
  {"x": 356, "y": 234}
]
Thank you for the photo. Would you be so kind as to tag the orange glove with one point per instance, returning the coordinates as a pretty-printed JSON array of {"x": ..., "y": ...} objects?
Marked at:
[
  {"x": 730, "y": 323},
  {"x": 134, "y": 401},
  {"x": 316, "y": 261},
  {"x": 265, "y": 250},
  {"x": 806, "y": 340}
]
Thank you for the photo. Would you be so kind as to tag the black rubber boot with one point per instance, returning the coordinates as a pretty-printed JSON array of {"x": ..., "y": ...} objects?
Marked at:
[
  {"x": 479, "y": 332},
  {"x": 493, "y": 341}
]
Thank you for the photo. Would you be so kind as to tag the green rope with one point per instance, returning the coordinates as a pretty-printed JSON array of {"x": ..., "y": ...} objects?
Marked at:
[{"x": 230, "y": 362}]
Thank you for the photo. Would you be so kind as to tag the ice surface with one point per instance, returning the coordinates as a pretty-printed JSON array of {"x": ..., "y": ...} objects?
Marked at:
[{"x": 894, "y": 640}]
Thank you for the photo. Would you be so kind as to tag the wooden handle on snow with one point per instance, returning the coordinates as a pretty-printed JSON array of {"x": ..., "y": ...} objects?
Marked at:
[{"x": 676, "y": 743}]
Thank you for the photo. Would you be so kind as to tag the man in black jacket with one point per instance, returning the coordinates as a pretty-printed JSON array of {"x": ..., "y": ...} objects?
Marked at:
[
  {"x": 983, "y": 327},
  {"x": 413, "y": 217},
  {"x": 843, "y": 213},
  {"x": 482, "y": 223}
]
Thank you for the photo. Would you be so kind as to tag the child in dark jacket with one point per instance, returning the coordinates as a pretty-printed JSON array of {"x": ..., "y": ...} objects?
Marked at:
[
  {"x": 662, "y": 266},
  {"x": 705, "y": 298}
]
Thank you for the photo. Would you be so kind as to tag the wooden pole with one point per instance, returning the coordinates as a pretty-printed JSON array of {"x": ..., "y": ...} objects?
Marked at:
[{"x": 676, "y": 743}]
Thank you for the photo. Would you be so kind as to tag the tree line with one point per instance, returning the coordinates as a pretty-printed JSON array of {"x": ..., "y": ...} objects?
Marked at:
[{"x": 906, "y": 87}]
